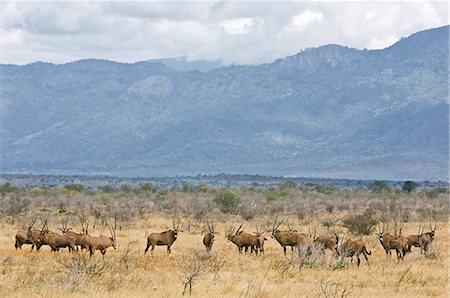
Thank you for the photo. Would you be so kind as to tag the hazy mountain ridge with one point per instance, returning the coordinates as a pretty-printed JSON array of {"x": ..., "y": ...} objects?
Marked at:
[{"x": 329, "y": 112}]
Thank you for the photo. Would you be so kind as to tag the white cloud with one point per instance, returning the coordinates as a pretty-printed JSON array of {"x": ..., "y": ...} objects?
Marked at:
[
  {"x": 236, "y": 32},
  {"x": 241, "y": 26},
  {"x": 300, "y": 22}
]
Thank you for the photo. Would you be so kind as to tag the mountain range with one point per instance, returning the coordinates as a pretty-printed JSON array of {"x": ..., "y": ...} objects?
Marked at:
[{"x": 330, "y": 111}]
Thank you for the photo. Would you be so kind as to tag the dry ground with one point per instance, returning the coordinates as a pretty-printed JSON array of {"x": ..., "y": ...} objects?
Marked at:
[{"x": 126, "y": 272}]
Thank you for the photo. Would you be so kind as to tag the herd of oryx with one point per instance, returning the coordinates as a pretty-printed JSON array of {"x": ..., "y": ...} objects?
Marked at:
[{"x": 304, "y": 243}]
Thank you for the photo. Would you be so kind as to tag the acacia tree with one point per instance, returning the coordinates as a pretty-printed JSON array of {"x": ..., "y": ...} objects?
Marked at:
[{"x": 409, "y": 186}]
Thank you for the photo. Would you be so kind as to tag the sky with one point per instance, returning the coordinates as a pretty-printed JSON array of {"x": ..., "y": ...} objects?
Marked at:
[{"x": 234, "y": 32}]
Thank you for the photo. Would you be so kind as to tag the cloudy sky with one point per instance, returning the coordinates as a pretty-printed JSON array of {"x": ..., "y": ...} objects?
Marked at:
[{"x": 235, "y": 32}]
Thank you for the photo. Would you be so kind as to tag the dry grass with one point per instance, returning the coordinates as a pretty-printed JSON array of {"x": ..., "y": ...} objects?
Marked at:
[{"x": 126, "y": 272}]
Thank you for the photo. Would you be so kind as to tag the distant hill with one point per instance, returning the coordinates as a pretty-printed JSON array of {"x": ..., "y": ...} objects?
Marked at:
[
  {"x": 183, "y": 64},
  {"x": 330, "y": 111}
]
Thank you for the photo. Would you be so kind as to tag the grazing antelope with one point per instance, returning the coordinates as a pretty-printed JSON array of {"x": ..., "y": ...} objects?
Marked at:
[
  {"x": 352, "y": 248},
  {"x": 102, "y": 242},
  {"x": 426, "y": 239},
  {"x": 164, "y": 238},
  {"x": 324, "y": 242},
  {"x": 208, "y": 238},
  {"x": 243, "y": 240}
]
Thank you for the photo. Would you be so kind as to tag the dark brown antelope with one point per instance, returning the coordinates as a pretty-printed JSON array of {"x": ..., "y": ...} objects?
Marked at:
[
  {"x": 242, "y": 240},
  {"x": 166, "y": 238},
  {"x": 426, "y": 239},
  {"x": 102, "y": 242},
  {"x": 208, "y": 238},
  {"x": 353, "y": 248}
]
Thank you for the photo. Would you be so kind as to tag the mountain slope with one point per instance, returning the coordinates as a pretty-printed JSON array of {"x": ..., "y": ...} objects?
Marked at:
[{"x": 330, "y": 111}]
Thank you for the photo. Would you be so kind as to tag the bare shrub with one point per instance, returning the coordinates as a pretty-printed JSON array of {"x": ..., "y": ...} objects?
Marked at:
[
  {"x": 81, "y": 268},
  {"x": 199, "y": 262},
  {"x": 5, "y": 265},
  {"x": 305, "y": 257},
  {"x": 249, "y": 209},
  {"x": 15, "y": 205},
  {"x": 127, "y": 256},
  {"x": 332, "y": 289},
  {"x": 310, "y": 257}
]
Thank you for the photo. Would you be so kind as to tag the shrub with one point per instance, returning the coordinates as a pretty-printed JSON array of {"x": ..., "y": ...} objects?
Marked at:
[
  {"x": 431, "y": 255},
  {"x": 126, "y": 188},
  {"x": 203, "y": 188},
  {"x": 15, "y": 205},
  {"x": 75, "y": 187},
  {"x": 272, "y": 195},
  {"x": 162, "y": 195},
  {"x": 7, "y": 188},
  {"x": 187, "y": 188},
  {"x": 378, "y": 186},
  {"x": 147, "y": 187},
  {"x": 226, "y": 200},
  {"x": 341, "y": 264},
  {"x": 107, "y": 189},
  {"x": 361, "y": 224}
]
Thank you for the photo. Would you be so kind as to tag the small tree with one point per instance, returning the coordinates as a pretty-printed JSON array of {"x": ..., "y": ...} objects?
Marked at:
[
  {"x": 379, "y": 186},
  {"x": 409, "y": 186},
  {"x": 226, "y": 200}
]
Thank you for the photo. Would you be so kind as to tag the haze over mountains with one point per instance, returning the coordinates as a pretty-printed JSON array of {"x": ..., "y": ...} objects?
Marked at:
[{"x": 330, "y": 111}]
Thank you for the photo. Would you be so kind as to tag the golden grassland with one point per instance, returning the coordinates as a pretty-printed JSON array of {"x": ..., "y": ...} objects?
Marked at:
[{"x": 127, "y": 272}]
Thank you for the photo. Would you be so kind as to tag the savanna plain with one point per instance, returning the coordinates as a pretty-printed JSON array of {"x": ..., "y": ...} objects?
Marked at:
[{"x": 134, "y": 213}]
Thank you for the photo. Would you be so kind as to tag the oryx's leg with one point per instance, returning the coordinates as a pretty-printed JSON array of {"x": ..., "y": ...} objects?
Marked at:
[{"x": 148, "y": 245}]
